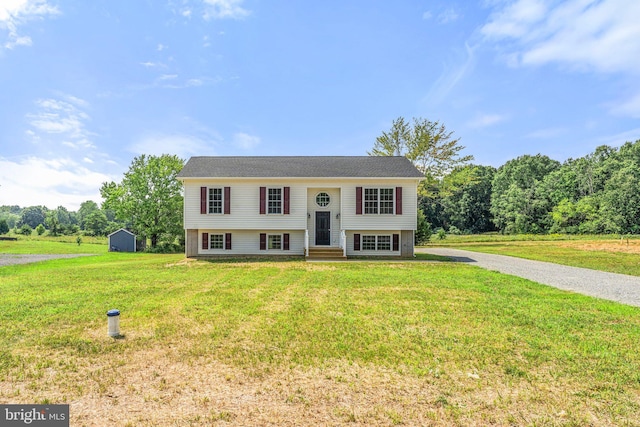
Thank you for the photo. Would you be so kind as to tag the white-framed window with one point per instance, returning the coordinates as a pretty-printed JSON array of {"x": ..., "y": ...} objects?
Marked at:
[
  {"x": 376, "y": 243},
  {"x": 323, "y": 199},
  {"x": 215, "y": 201},
  {"x": 216, "y": 241},
  {"x": 274, "y": 200},
  {"x": 378, "y": 201},
  {"x": 274, "y": 241},
  {"x": 386, "y": 201},
  {"x": 368, "y": 243}
]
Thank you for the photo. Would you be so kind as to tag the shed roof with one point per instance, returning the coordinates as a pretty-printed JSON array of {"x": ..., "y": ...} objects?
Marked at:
[
  {"x": 121, "y": 230},
  {"x": 300, "y": 167}
]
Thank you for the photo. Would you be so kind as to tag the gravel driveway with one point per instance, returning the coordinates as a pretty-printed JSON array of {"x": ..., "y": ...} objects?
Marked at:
[
  {"x": 12, "y": 259},
  {"x": 611, "y": 286}
]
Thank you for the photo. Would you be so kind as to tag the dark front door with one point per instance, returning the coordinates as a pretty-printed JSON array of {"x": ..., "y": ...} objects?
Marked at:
[{"x": 323, "y": 228}]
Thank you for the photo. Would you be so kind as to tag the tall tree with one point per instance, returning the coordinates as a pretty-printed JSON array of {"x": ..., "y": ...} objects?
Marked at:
[
  {"x": 518, "y": 204},
  {"x": 466, "y": 198},
  {"x": 86, "y": 208},
  {"x": 429, "y": 146},
  {"x": 149, "y": 197},
  {"x": 33, "y": 216}
]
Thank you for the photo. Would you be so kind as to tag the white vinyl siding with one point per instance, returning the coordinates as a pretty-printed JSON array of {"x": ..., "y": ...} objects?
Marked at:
[
  {"x": 352, "y": 221},
  {"x": 373, "y": 243},
  {"x": 245, "y": 207},
  {"x": 247, "y": 242}
]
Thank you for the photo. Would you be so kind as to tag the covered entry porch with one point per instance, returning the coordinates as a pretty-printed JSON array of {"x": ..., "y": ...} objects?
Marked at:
[{"x": 324, "y": 236}]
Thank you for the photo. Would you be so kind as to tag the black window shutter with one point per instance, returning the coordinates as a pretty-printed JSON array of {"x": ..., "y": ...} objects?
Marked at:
[
  {"x": 263, "y": 200},
  {"x": 227, "y": 200},
  {"x": 287, "y": 193},
  {"x": 396, "y": 242},
  {"x": 227, "y": 241},
  {"x": 356, "y": 242},
  {"x": 398, "y": 200},
  {"x": 203, "y": 200},
  {"x": 263, "y": 241},
  {"x": 205, "y": 240},
  {"x": 358, "y": 201},
  {"x": 285, "y": 241}
]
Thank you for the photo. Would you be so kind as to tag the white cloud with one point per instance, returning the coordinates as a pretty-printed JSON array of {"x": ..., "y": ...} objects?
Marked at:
[
  {"x": 245, "y": 141},
  {"x": 449, "y": 15},
  {"x": 15, "y": 13},
  {"x": 224, "y": 9},
  {"x": 603, "y": 36},
  {"x": 486, "y": 120},
  {"x": 161, "y": 47},
  {"x": 182, "y": 145},
  {"x": 427, "y": 15},
  {"x": 600, "y": 36},
  {"x": 55, "y": 116},
  {"x": 450, "y": 78},
  {"x": 151, "y": 64},
  {"x": 49, "y": 182}
]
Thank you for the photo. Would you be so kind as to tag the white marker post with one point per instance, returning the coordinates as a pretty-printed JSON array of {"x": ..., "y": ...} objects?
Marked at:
[{"x": 113, "y": 317}]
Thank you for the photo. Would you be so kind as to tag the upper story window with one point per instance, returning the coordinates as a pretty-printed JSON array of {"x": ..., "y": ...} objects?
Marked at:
[
  {"x": 323, "y": 199},
  {"x": 378, "y": 201},
  {"x": 274, "y": 200},
  {"x": 215, "y": 200}
]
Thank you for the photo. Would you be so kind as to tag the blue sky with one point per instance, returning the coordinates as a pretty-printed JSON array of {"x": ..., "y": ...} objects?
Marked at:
[{"x": 85, "y": 86}]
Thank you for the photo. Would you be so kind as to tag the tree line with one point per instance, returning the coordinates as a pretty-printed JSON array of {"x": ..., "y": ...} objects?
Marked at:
[
  {"x": 90, "y": 220},
  {"x": 595, "y": 194},
  {"x": 148, "y": 201}
]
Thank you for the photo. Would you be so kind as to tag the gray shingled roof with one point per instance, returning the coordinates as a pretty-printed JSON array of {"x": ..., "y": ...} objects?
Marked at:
[{"x": 300, "y": 167}]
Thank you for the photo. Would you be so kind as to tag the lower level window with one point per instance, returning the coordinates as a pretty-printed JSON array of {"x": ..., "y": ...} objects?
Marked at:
[
  {"x": 376, "y": 243},
  {"x": 216, "y": 241},
  {"x": 274, "y": 241}
]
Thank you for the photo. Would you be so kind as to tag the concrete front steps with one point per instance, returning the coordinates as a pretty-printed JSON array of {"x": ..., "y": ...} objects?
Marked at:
[{"x": 325, "y": 254}]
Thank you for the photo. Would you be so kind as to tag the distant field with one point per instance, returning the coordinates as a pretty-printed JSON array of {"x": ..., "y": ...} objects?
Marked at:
[
  {"x": 54, "y": 245},
  {"x": 295, "y": 343},
  {"x": 605, "y": 253}
]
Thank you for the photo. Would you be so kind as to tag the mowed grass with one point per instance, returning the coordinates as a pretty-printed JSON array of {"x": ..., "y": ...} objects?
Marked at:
[
  {"x": 295, "y": 343},
  {"x": 605, "y": 253},
  {"x": 54, "y": 245}
]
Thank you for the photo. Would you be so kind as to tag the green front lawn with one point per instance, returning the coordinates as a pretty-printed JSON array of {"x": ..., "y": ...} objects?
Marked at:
[{"x": 373, "y": 343}]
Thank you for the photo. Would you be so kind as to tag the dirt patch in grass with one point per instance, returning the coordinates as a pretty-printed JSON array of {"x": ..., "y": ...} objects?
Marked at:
[
  {"x": 625, "y": 246},
  {"x": 162, "y": 387}
]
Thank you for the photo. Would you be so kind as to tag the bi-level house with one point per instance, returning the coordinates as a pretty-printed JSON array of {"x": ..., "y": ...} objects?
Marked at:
[{"x": 348, "y": 206}]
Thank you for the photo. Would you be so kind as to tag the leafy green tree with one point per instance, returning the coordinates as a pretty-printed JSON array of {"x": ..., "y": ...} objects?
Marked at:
[
  {"x": 96, "y": 223},
  {"x": 423, "y": 231},
  {"x": 32, "y": 216},
  {"x": 620, "y": 208},
  {"x": 518, "y": 203},
  {"x": 26, "y": 230},
  {"x": 466, "y": 198},
  {"x": 429, "y": 146},
  {"x": 4, "y": 227},
  {"x": 52, "y": 223},
  {"x": 149, "y": 197},
  {"x": 86, "y": 208},
  {"x": 40, "y": 230}
]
